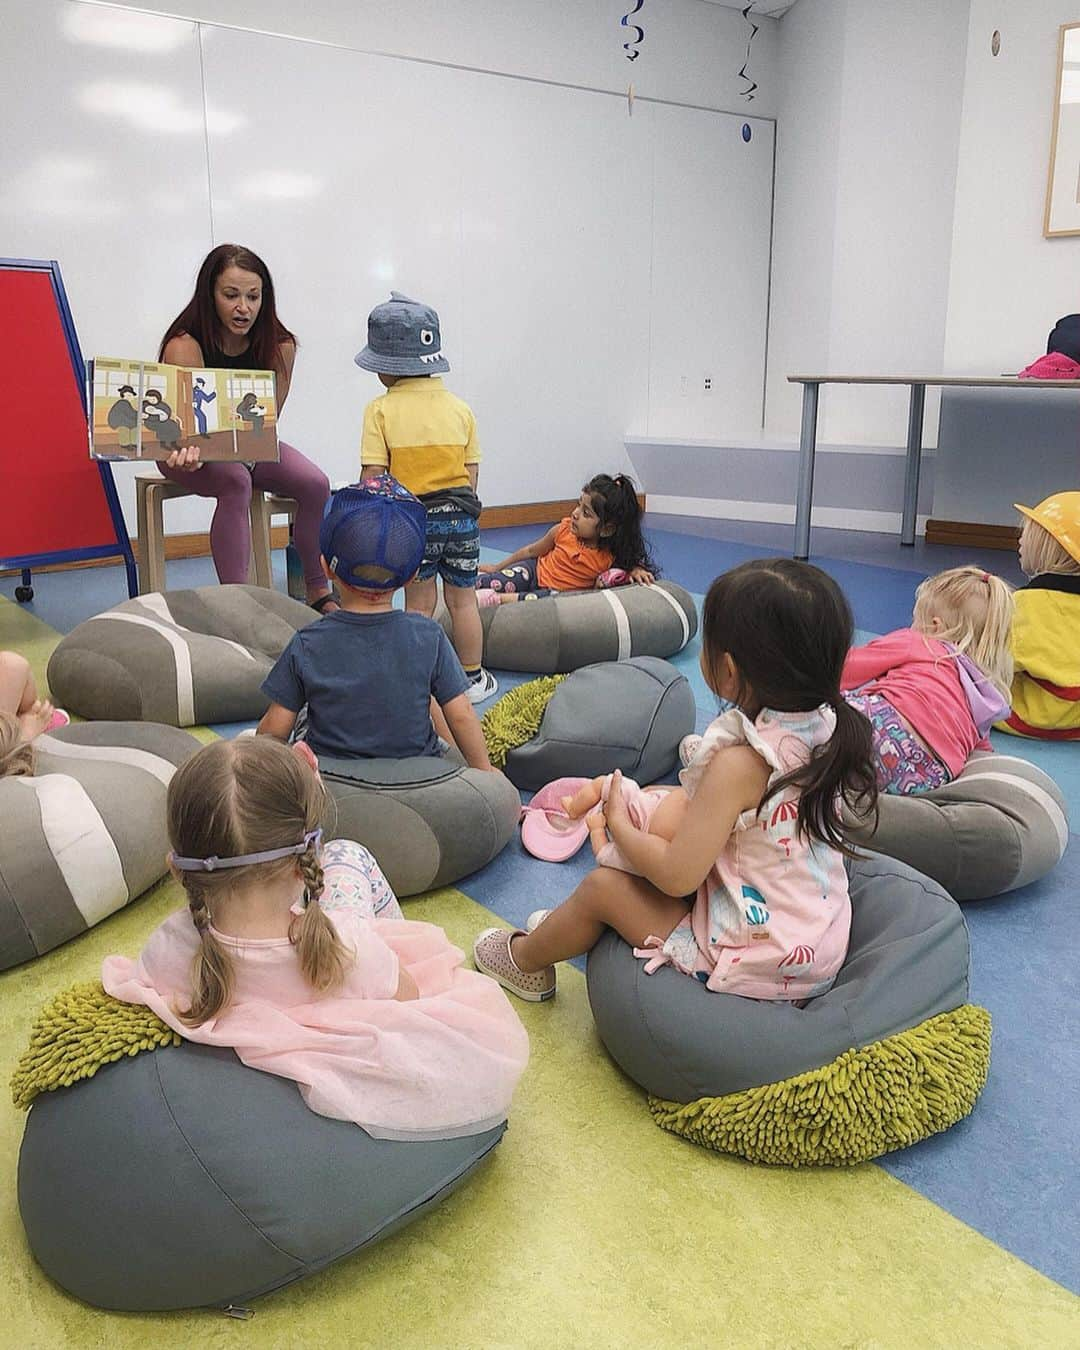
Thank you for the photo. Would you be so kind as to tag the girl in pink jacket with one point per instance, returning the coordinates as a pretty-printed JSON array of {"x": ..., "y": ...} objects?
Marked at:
[
  {"x": 373, "y": 1017},
  {"x": 932, "y": 691}
]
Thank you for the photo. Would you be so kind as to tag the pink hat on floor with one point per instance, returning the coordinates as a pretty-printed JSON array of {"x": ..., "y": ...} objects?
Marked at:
[{"x": 546, "y": 830}]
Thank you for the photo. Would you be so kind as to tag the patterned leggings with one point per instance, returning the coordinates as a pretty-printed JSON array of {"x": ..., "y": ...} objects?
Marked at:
[
  {"x": 353, "y": 880},
  {"x": 905, "y": 767},
  {"x": 230, "y": 530},
  {"x": 518, "y": 577}
]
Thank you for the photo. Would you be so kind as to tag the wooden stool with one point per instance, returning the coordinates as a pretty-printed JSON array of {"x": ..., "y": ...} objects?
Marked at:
[
  {"x": 151, "y": 493},
  {"x": 264, "y": 506}
]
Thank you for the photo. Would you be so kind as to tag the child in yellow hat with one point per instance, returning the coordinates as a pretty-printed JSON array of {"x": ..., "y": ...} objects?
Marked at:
[{"x": 1046, "y": 625}]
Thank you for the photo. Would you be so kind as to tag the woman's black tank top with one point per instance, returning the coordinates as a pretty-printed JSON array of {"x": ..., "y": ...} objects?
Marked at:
[{"x": 215, "y": 359}]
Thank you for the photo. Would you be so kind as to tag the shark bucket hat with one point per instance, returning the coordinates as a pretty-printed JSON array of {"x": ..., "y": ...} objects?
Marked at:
[{"x": 403, "y": 339}]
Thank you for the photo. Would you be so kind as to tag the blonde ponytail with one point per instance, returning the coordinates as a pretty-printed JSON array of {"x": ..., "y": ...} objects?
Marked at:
[
  {"x": 974, "y": 610},
  {"x": 211, "y": 972},
  {"x": 324, "y": 958},
  {"x": 16, "y": 754}
]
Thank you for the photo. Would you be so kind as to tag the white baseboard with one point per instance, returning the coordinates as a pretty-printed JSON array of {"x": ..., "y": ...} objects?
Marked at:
[{"x": 779, "y": 513}]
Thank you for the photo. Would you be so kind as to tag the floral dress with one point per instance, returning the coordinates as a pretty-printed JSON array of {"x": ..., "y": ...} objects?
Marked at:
[{"x": 773, "y": 917}]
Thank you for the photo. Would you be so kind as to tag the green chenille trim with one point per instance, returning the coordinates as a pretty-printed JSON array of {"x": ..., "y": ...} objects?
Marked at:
[
  {"x": 865, "y": 1103},
  {"x": 79, "y": 1031},
  {"x": 516, "y": 718}
]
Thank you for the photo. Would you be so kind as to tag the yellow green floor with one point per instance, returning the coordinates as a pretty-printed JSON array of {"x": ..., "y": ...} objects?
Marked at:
[{"x": 588, "y": 1227}]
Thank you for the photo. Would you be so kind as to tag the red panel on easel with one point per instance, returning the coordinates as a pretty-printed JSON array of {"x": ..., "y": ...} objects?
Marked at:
[{"x": 53, "y": 494}]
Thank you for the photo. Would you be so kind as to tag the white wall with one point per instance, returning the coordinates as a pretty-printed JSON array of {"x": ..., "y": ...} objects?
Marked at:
[
  {"x": 867, "y": 142},
  {"x": 524, "y": 206},
  {"x": 1008, "y": 284},
  {"x": 691, "y": 53}
]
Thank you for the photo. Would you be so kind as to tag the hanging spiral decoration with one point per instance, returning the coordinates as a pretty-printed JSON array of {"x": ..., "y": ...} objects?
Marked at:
[
  {"x": 631, "y": 48},
  {"x": 749, "y": 93}
]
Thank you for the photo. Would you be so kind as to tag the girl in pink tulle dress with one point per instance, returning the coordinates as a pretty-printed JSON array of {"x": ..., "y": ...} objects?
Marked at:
[
  {"x": 738, "y": 876},
  {"x": 315, "y": 976}
]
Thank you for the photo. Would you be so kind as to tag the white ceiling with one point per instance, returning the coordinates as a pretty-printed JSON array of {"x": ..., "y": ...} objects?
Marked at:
[{"x": 772, "y": 8}]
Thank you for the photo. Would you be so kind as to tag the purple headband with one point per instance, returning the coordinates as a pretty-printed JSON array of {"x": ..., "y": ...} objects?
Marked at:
[{"x": 246, "y": 859}]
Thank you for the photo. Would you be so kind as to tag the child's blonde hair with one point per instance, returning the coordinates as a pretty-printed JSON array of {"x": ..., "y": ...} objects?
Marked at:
[
  {"x": 1043, "y": 553},
  {"x": 232, "y": 798},
  {"x": 975, "y": 611},
  {"x": 16, "y": 755}
]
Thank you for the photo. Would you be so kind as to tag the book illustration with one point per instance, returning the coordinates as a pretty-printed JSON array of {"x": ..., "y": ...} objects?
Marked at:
[{"x": 146, "y": 409}]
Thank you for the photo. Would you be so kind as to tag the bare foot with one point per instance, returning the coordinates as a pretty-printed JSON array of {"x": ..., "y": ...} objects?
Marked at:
[
  {"x": 583, "y": 800},
  {"x": 36, "y": 718}
]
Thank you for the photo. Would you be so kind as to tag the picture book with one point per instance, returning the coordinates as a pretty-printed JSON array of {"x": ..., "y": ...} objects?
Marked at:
[{"x": 145, "y": 410}]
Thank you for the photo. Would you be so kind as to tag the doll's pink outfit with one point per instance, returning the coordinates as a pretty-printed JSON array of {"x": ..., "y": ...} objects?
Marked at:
[
  {"x": 773, "y": 917},
  {"x": 436, "y": 1067}
]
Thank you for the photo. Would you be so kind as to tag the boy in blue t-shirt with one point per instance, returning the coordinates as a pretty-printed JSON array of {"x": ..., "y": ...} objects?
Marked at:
[{"x": 373, "y": 677}]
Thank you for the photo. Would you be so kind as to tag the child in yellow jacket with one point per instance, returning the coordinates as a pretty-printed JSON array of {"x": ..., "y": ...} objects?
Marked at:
[{"x": 1046, "y": 624}]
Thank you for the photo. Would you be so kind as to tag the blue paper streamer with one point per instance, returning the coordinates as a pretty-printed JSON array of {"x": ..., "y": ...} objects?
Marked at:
[
  {"x": 748, "y": 94},
  {"x": 631, "y": 47}
]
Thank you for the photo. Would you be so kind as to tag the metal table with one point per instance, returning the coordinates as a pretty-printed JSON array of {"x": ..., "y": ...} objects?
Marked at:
[{"x": 918, "y": 384}]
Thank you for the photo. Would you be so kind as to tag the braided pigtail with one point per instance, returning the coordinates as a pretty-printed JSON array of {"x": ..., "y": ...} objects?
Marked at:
[
  {"x": 211, "y": 971},
  {"x": 323, "y": 956}
]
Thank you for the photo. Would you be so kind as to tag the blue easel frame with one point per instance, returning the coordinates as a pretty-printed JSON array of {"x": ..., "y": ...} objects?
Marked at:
[{"x": 122, "y": 547}]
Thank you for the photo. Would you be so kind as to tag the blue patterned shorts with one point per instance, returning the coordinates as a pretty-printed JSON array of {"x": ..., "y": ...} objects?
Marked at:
[{"x": 452, "y": 546}]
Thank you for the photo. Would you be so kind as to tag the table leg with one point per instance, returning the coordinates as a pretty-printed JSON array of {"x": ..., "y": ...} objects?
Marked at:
[
  {"x": 914, "y": 463},
  {"x": 804, "y": 498}
]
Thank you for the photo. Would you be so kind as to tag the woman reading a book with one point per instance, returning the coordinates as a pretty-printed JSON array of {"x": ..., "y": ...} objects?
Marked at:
[{"x": 231, "y": 322}]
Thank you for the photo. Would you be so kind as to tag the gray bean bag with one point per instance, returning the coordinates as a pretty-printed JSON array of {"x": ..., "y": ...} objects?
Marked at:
[
  {"x": 428, "y": 822},
  {"x": 628, "y": 715},
  {"x": 1000, "y": 825},
  {"x": 892, "y": 1053},
  {"x": 180, "y": 1178},
  {"x": 182, "y": 657},
  {"x": 575, "y": 628},
  {"x": 86, "y": 833}
]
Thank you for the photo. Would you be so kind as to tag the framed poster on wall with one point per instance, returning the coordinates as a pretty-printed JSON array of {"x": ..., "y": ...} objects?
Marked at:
[{"x": 1062, "y": 214}]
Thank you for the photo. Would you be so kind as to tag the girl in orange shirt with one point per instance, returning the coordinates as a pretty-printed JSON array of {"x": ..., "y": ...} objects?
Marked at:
[{"x": 602, "y": 534}]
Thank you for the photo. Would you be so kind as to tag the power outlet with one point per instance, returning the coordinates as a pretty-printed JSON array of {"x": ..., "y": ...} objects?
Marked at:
[{"x": 708, "y": 384}]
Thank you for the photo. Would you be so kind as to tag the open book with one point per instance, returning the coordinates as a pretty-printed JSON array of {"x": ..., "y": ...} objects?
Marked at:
[{"x": 145, "y": 410}]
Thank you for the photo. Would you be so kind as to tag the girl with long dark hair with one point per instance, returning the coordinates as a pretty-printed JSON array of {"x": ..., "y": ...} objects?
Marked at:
[
  {"x": 601, "y": 535},
  {"x": 739, "y": 876}
]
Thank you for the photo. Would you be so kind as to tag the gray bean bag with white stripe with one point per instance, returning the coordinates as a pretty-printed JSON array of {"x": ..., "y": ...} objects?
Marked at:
[
  {"x": 575, "y": 628},
  {"x": 85, "y": 834},
  {"x": 180, "y": 1178},
  {"x": 185, "y": 658},
  {"x": 628, "y": 715},
  {"x": 998, "y": 826},
  {"x": 429, "y": 822}
]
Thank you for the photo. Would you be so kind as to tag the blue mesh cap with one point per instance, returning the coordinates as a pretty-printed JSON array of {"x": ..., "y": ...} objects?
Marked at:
[
  {"x": 372, "y": 534},
  {"x": 403, "y": 339}
]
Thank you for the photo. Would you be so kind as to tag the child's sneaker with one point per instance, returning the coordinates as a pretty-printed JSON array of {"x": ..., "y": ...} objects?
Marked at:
[
  {"x": 491, "y": 954},
  {"x": 688, "y": 747},
  {"x": 535, "y": 919},
  {"x": 487, "y": 597},
  {"x": 58, "y": 719},
  {"x": 482, "y": 687}
]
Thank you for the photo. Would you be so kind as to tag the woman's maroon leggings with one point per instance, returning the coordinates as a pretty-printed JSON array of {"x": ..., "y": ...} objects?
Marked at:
[{"x": 230, "y": 530}]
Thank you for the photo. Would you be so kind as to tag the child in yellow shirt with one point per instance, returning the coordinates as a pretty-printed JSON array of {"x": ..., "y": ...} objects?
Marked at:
[
  {"x": 1046, "y": 623},
  {"x": 425, "y": 437}
]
